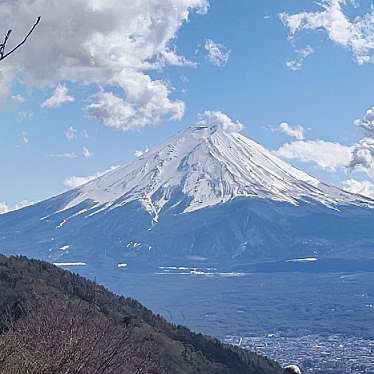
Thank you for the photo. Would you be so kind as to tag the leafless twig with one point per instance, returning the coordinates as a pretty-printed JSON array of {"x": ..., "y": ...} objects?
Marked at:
[
  {"x": 3, "y": 53},
  {"x": 70, "y": 337}
]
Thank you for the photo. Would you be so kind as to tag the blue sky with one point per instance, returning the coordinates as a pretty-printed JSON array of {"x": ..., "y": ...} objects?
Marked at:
[{"x": 326, "y": 87}]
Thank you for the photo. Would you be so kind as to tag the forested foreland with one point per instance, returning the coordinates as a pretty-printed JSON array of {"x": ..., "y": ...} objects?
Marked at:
[{"x": 54, "y": 321}]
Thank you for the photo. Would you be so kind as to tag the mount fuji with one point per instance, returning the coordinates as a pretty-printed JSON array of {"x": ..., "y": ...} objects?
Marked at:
[{"x": 210, "y": 195}]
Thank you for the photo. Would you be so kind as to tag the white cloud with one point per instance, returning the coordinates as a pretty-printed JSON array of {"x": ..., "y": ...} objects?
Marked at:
[
  {"x": 23, "y": 204},
  {"x": 170, "y": 57},
  {"x": 326, "y": 155},
  {"x": 218, "y": 54},
  {"x": 218, "y": 118},
  {"x": 364, "y": 188},
  {"x": 147, "y": 102},
  {"x": 363, "y": 151},
  {"x": 367, "y": 121},
  {"x": 139, "y": 153},
  {"x": 71, "y": 133},
  {"x": 74, "y": 181},
  {"x": 5, "y": 208},
  {"x": 70, "y": 155},
  {"x": 358, "y": 157},
  {"x": 24, "y": 138},
  {"x": 296, "y": 132},
  {"x": 363, "y": 156},
  {"x": 60, "y": 96},
  {"x": 110, "y": 44},
  {"x": 86, "y": 153},
  {"x": 302, "y": 54},
  {"x": 356, "y": 35},
  {"x": 18, "y": 99}
]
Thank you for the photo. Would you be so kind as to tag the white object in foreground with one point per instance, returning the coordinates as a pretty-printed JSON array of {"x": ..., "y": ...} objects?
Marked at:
[{"x": 291, "y": 369}]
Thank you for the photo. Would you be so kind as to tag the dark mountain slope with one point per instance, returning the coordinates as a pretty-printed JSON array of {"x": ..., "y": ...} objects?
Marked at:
[
  {"x": 238, "y": 231},
  {"x": 54, "y": 321}
]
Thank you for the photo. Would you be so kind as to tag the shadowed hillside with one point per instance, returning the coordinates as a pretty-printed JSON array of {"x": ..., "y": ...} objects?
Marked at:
[{"x": 56, "y": 321}]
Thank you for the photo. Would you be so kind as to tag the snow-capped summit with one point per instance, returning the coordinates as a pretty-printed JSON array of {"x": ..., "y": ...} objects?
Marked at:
[
  {"x": 207, "y": 165},
  {"x": 209, "y": 194}
]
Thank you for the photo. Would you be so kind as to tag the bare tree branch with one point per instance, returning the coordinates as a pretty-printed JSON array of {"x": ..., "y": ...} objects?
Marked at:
[
  {"x": 71, "y": 337},
  {"x": 3, "y": 53}
]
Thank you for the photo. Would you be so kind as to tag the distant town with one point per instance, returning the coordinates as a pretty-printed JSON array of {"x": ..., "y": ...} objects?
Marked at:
[{"x": 313, "y": 353}]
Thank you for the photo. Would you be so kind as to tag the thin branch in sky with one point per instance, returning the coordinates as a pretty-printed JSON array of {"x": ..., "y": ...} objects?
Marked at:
[{"x": 3, "y": 53}]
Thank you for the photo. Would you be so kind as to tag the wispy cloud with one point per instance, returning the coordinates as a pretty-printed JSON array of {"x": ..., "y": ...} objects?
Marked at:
[
  {"x": 18, "y": 99},
  {"x": 327, "y": 155},
  {"x": 86, "y": 153},
  {"x": 71, "y": 133},
  {"x": 363, "y": 150},
  {"x": 70, "y": 155},
  {"x": 139, "y": 153},
  {"x": 5, "y": 208},
  {"x": 60, "y": 96},
  {"x": 364, "y": 188},
  {"x": 220, "y": 119},
  {"x": 296, "y": 132},
  {"x": 73, "y": 182},
  {"x": 24, "y": 138},
  {"x": 357, "y": 35},
  {"x": 217, "y": 53},
  {"x": 363, "y": 156},
  {"x": 298, "y": 62},
  {"x": 367, "y": 121}
]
